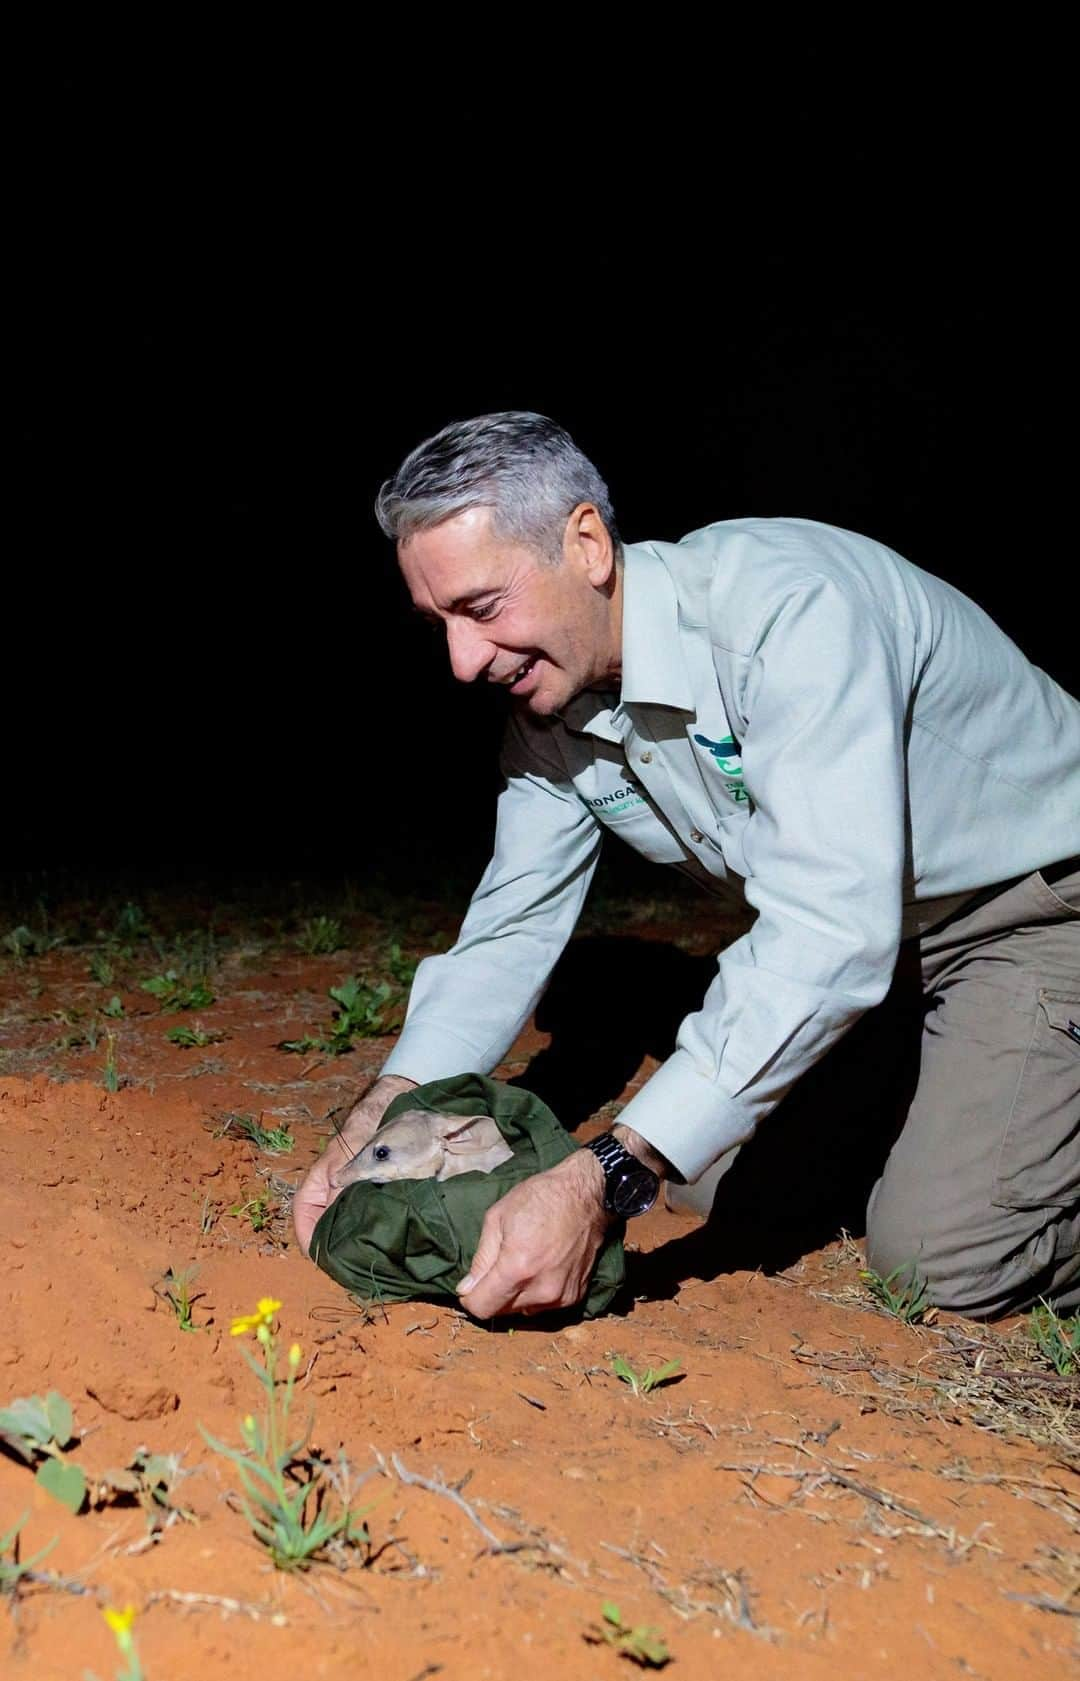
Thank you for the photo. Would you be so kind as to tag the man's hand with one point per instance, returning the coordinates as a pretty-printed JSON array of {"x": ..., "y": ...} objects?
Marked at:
[
  {"x": 539, "y": 1242},
  {"x": 314, "y": 1193}
]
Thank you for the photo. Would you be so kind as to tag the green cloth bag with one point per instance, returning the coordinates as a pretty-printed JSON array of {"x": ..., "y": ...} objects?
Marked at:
[{"x": 413, "y": 1239}]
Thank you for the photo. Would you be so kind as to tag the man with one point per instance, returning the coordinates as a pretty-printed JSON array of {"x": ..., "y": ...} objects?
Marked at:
[{"x": 797, "y": 714}]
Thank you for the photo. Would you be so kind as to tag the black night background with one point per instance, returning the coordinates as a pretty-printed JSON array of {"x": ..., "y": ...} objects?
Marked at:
[{"x": 242, "y": 301}]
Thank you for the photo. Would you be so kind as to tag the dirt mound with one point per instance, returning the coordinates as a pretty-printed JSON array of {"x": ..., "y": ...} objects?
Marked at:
[{"x": 808, "y": 1495}]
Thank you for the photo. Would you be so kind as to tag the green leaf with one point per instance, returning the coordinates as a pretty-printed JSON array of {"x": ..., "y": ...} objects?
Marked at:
[
  {"x": 65, "y": 1483},
  {"x": 28, "y": 1417},
  {"x": 60, "y": 1417},
  {"x": 611, "y": 1613},
  {"x": 654, "y": 1379}
]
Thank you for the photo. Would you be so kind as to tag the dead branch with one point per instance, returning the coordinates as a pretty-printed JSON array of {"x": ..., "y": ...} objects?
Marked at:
[{"x": 413, "y": 1480}]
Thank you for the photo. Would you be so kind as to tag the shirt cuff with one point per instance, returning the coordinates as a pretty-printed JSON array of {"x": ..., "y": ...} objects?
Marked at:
[
  {"x": 680, "y": 1113},
  {"x": 431, "y": 1053}
]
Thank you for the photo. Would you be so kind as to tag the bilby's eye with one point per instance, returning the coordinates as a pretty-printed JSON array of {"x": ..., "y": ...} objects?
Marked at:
[{"x": 382, "y": 1152}]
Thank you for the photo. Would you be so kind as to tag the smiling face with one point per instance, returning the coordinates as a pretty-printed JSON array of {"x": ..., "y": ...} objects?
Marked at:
[{"x": 542, "y": 631}]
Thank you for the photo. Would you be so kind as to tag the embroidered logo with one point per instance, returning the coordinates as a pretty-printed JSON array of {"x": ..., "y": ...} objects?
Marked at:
[
  {"x": 623, "y": 798},
  {"x": 729, "y": 763}
]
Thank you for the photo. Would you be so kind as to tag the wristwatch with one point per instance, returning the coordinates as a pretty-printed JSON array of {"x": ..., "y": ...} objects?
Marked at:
[{"x": 629, "y": 1186}]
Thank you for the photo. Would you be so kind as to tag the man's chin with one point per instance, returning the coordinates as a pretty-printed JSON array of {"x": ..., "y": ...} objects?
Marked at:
[{"x": 538, "y": 706}]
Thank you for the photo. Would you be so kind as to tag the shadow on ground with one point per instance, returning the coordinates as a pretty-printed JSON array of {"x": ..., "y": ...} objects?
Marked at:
[{"x": 806, "y": 1174}]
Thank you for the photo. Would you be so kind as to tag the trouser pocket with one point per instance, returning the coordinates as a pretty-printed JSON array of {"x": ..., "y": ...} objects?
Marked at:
[{"x": 1038, "y": 1164}]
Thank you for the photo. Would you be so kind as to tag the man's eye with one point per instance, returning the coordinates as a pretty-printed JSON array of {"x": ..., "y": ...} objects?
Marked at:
[{"x": 483, "y": 610}]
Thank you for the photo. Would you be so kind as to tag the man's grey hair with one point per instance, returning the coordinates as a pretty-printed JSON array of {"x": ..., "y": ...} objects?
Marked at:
[{"x": 522, "y": 466}]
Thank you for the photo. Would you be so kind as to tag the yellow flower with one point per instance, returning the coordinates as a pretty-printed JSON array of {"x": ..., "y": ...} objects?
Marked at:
[
  {"x": 120, "y": 1622},
  {"x": 295, "y": 1355},
  {"x": 263, "y": 1314}
]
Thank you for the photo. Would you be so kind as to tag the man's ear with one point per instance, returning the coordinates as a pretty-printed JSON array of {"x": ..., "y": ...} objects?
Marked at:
[{"x": 587, "y": 543}]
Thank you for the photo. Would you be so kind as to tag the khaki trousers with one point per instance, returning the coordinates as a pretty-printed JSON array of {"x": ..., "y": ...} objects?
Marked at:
[
  {"x": 972, "y": 1065},
  {"x": 981, "y": 1191}
]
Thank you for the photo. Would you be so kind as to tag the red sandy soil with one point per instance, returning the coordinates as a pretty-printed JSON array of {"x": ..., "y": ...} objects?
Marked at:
[{"x": 776, "y": 1512}]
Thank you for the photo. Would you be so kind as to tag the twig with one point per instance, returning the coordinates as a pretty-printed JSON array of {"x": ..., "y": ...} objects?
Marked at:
[
  {"x": 45, "y": 1578},
  {"x": 826, "y": 1473},
  {"x": 1043, "y": 1602},
  {"x": 221, "y": 1602},
  {"x": 412, "y": 1479}
]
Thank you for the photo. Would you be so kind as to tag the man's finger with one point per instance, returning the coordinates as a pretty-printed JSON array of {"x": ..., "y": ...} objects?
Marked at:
[
  {"x": 490, "y": 1294},
  {"x": 487, "y": 1253}
]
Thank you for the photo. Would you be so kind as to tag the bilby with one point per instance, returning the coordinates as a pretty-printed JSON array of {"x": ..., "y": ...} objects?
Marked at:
[{"x": 419, "y": 1144}]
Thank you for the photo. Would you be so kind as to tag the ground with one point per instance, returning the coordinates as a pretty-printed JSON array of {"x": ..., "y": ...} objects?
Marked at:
[{"x": 819, "y": 1488}]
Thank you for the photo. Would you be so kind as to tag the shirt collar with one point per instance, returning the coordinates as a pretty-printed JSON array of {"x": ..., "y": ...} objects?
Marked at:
[{"x": 653, "y": 672}]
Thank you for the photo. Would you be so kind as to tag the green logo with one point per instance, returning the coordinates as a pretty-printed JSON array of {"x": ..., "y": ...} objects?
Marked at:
[{"x": 729, "y": 762}]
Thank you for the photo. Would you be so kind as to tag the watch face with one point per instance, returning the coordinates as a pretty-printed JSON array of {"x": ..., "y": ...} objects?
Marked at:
[{"x": 636, "y": 1191}]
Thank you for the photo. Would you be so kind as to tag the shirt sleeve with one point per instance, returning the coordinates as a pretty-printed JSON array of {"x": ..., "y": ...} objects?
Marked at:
[
  {"x": 826, "y": 696},
  {"x": 468, "y": 1005}
]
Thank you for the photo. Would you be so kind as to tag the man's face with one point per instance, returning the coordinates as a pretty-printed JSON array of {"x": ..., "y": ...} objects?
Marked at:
[{"x": 543, "y": 631}]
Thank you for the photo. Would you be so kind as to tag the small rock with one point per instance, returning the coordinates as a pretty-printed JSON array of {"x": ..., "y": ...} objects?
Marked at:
[{"x": 132, "y": 1399}]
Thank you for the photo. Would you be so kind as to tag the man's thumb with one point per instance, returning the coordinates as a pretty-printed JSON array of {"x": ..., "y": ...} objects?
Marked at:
[{"x": 487, "y": 1251}]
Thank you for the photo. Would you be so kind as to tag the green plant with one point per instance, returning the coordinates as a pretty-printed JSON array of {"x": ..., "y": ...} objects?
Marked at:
[
  {"x": 402, "y": 969},
  {"x": 13, "y": 1569},
  {"x": 38, "y": 1427},
  {"x": 172, "y": 994},
  {"x": 150, "y": 1479},
  {"x": 642, "y": 1383},
  {"x": 908, "y": 1300},
  {"x": 189, "y": 1038},
  {"x": 285, "y": 1489},
  {"x": 275, "y": 1141},
  {"x": 131, "y": 924},
  {"x": 361, "y": 1013},
  {"x": 23, "y": 942},
  {"x": 642, "y": 1645},
  {"x": 114, "y": 1007},
  {"x": 1058, "y": 1340},
  {"x": 319, "y": 935},
  {"x": 260, "y": 1210},
  {"x": 110, "y": 1072},
  {"x": 101, "y": 969},
  {"x": 175, "y": 1288}
]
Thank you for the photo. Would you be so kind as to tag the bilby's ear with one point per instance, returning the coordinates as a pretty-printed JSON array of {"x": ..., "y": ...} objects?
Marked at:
[
  {"x": 479, "y": 1142},
  {"x": 463, "y": 1127}
]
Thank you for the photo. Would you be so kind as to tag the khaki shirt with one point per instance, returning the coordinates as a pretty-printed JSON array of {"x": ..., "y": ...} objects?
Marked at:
[{"x": 807, "y": 720}]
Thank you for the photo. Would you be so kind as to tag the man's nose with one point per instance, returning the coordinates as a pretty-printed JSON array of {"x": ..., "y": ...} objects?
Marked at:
[{"x": 469, "y": 649}]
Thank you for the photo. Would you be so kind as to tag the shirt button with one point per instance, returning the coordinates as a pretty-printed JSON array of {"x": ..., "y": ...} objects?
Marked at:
[
  {"x": 646, "y": 758},
  {"x": 696, "y": 835}
]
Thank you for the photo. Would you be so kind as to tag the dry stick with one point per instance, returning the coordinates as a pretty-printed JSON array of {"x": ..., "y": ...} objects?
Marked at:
[
  {"x": 1043, "y": 1602},
  {"x": 737, "y": 1609},
  {"x": 411, "y": 1479},
  {"x": 256, "y": 1612},
  {"x": 826, "y": 1473},
  {"x": 45, "y": 1578}
]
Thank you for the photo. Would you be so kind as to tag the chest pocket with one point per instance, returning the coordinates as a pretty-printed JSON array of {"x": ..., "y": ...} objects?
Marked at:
[{"x": 621, "y": 805}]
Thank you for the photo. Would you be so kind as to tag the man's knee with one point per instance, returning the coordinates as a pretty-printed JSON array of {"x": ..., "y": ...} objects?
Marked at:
[{"x": 990, "y": 1269}]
